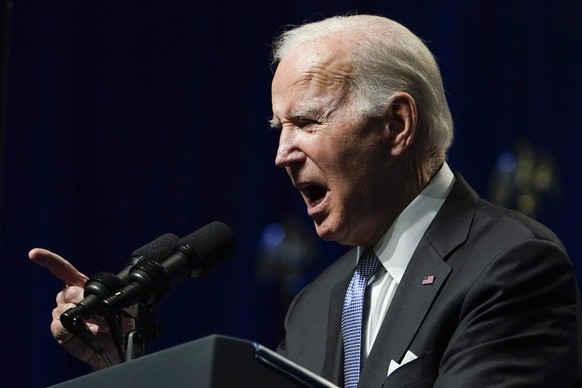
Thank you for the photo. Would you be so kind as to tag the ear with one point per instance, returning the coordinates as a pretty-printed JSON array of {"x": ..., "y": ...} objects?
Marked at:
[{"x": 401, "y": 121}]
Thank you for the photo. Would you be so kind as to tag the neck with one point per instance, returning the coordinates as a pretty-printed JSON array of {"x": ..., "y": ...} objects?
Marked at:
[
  {"x": 415, "y": 180},
  {"x": 411, "y": 179}
]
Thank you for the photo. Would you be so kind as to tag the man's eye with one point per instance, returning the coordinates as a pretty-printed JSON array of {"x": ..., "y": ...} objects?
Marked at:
[{"x": 305, "y": 122}]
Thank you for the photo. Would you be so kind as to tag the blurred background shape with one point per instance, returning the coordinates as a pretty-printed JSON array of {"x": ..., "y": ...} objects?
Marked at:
[{"x": 524, "y": 178}]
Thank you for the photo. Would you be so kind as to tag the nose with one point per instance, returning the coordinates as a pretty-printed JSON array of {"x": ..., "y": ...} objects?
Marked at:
[{"x": 289, "y": 151}]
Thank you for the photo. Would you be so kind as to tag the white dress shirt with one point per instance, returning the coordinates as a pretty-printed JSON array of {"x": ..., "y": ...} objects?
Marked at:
[{"x": 395, "y": 249}]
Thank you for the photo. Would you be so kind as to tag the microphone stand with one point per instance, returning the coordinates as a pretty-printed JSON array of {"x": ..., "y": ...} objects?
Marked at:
[
  {"x": 147, "y": 327},
  {"x": 149, "y": 282}
]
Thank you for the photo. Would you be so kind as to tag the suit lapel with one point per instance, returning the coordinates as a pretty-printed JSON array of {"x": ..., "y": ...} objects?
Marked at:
[
  {"x": 413, "y": 299},
  {"x": 406, "y": 313}
]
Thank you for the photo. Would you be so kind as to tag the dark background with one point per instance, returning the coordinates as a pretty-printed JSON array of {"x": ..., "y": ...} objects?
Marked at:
[{"x": 126, "y": 119}]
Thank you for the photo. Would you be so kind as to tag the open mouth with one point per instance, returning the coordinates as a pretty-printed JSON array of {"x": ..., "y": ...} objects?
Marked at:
[{"x": 314, "y": 194}]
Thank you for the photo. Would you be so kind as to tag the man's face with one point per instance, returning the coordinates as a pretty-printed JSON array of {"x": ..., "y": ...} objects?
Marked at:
[{"x": 336, "y": 157}]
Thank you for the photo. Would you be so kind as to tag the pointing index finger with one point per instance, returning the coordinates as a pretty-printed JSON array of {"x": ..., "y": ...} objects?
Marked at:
[{"x": 58, "y": 266}]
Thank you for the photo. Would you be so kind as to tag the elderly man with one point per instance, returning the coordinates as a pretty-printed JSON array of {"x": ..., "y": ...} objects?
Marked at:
[
  {"x": 441, "y": 288},
  {"x": 466, "y": 293}
]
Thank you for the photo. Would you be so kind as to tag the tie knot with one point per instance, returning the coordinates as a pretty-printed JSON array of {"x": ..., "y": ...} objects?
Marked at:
[{"x": 368, "y": 263}]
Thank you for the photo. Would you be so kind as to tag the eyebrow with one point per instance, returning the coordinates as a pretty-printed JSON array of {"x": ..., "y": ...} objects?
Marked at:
[
  {"x": 312, "y": 113},
  {"x": 307, "y": 112}
]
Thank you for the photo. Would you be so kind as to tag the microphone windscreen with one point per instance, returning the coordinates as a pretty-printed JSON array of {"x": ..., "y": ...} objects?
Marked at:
[
  {"x": 212, "y": 244},
  {"x": 157, "y": 250}
]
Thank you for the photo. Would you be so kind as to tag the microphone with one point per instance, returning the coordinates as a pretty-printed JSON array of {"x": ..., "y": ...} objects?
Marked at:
[
  {"x": 104, "y": 284},
  {"x": 156, "y": 250},
  {"x": 194, "y": 255}
]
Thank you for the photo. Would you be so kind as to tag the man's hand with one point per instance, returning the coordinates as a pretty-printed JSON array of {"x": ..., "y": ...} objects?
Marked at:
[{"x": 66, "y": 299}]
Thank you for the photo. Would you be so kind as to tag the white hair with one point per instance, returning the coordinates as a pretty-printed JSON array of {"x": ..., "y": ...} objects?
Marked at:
[{"x": 387, "y": 59}]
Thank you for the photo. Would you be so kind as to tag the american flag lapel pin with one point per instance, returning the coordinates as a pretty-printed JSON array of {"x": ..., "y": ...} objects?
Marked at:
[{"x": 428, "y": 280}]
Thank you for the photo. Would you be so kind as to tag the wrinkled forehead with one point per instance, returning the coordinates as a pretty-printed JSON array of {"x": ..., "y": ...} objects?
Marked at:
[{"x": 323, "y": 63}]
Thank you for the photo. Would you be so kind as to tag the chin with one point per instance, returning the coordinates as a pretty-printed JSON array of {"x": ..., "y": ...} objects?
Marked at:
[
  {"x": 329, "y": 232},
  {"x": 324, "y": 231}
]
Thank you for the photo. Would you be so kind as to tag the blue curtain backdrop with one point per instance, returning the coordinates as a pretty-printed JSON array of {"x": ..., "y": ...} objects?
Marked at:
[{"x": 129, "y": 119}]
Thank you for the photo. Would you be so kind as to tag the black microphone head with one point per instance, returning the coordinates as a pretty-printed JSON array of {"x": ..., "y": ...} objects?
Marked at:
[
  {"x": 208, "y": 246},
  {"x": 157, "y": 250}
]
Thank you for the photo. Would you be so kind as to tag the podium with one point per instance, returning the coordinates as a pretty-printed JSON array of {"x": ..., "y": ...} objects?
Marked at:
[{"x": 210, "y": 362}]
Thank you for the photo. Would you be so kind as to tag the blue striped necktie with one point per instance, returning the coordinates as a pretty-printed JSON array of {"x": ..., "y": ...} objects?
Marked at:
[{"x": 352, "y": 316}]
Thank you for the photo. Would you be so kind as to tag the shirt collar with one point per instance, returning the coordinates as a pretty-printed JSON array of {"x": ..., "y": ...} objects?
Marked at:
[{"x": 396, "y": 246}]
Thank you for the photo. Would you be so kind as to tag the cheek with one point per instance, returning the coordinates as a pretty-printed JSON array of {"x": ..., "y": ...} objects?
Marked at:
[
  {"x": 346, "y": 201},
  {"x": 360, "y": 181},
  {"x": 357, "y": 154},
  {"x": 334, "y": 225}
]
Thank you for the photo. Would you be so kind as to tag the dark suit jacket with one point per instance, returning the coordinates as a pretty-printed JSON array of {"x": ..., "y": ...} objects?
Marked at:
[{"x": 501, "y": 312}]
